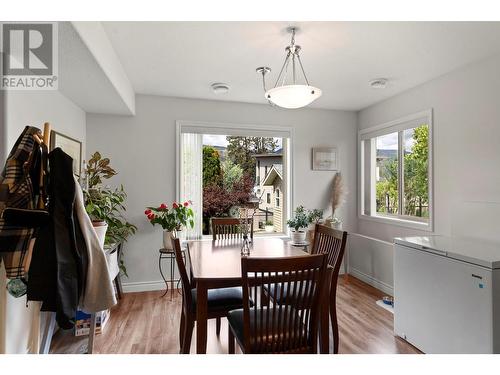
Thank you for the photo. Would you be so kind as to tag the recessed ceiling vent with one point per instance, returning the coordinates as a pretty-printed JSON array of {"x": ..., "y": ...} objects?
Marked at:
[
  {"x": 220, "y": 88},
  {"x": 378, "y": 83}
]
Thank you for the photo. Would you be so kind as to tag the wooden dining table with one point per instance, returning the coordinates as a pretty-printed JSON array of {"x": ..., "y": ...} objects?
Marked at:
[{"x": 217, "y": 264}]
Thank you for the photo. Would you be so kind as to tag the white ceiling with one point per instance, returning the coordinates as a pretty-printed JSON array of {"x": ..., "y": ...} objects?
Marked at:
[{"x": 182, "y": 59}]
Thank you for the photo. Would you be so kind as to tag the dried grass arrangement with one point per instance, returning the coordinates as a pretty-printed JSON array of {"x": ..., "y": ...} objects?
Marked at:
[{"x": 338, "y": 193}]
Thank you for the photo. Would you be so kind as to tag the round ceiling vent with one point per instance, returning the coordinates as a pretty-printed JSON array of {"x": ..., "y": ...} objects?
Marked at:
[
  {"x": 378, "y": 83},
  {"x": 219, "y": 88}
]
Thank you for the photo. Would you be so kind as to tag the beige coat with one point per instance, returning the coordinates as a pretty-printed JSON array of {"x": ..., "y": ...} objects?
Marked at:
[{"x": 98, "y": 293}]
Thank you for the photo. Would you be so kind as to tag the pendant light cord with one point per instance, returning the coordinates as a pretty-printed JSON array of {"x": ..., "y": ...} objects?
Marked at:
[
  {"x": 302, "y": 68},
  {"x": 292, "y": 52}
]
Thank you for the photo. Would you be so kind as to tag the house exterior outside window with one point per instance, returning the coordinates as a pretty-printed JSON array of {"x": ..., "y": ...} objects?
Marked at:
[{"x": 270, "y": 169}]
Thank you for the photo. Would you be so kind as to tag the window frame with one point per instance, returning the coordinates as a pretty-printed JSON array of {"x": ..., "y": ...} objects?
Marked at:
[
  {"x": 257, "y": 130},
  {"x": 399, "y": 126}
]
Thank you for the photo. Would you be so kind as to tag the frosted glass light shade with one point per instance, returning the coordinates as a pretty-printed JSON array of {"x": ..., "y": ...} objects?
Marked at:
[{"x": 293, "y": 96}]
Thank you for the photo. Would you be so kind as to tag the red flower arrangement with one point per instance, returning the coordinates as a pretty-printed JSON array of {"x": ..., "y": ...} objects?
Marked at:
[{"x": 171, "y": 219}]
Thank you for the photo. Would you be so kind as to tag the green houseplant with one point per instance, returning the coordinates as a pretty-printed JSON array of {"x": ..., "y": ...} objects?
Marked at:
[
  {"x": 298, "y": 223},
  {"x": 315, "y": 216},
  {"x": 172, "y": 220},
  {"x": 106, "y": 205}
]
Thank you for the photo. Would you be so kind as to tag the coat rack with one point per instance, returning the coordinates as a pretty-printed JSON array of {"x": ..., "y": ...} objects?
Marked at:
[{"x": 47, "y": 319}]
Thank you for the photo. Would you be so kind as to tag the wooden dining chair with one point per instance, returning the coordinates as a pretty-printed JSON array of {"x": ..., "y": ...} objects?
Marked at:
[
  {"x": 331, "y": 242},
  {"x": 229, "y": 228},
  {"x": 279, "y": 328},
  {"x": 220, "y": 302}
]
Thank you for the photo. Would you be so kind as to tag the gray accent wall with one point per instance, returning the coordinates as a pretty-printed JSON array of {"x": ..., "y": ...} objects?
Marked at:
[{"x": 142, "y": 148}]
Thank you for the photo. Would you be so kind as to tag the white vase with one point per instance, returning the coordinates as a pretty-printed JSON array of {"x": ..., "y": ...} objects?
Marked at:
[
  {"x": 299, "y": 236},
  {"x": 168, "y": 237},
  {"x": 337, "y": 225},
  {"x": 100, "y": 228},
  {"x": 269, "y": 228}
]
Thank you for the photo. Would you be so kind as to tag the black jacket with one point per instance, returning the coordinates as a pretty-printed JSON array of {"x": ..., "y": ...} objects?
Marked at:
[{"x": 58, "y": 267}]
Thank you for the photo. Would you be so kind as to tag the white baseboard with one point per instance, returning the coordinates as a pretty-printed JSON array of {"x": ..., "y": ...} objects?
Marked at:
[
  {"x": 143, "y": 286},
  {"x": 380, "y": 285},
  {"x": 385, "y": 306},
  {"x": 148, "y": 286}
]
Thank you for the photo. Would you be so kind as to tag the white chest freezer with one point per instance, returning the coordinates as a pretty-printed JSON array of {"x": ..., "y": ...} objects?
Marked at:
[{"x": 447, "y": 294}]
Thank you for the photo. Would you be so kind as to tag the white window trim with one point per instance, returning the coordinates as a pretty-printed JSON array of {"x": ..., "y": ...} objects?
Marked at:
[
  {"x": 397, "y": 220},
  {"x": 205, "y": 127}
]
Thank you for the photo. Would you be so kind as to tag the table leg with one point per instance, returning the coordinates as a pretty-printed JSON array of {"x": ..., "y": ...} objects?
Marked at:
[{"x": 201, "y": 317}]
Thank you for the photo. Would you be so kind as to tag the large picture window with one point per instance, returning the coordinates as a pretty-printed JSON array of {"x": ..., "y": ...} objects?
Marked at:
[
  {"x": 396, "y": 171},
  {"x": 221, "y": 167}
]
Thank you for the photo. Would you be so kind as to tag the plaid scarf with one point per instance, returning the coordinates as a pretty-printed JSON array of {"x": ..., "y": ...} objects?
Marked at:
[{"x": 16, "y": 190}]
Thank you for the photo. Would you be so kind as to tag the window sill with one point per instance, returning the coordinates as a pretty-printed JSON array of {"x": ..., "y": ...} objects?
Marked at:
[{"x": 399, "y": 222}]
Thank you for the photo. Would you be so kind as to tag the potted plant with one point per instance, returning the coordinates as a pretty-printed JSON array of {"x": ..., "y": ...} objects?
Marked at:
[
  {"x": 105, "y": 205},
  {"x": 315, "y": 217},
  {"x": 299, "y": 224},
  {"x": 269, "y": 226},
  {"x": 172, "y": 220}
]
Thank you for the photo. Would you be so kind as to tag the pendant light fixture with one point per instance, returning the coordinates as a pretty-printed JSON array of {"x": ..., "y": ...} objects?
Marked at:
[{"x": 290, "y": 93}]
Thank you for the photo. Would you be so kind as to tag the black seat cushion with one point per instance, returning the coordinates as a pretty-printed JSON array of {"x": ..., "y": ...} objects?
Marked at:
[
  {"x": 269, "y": 335},
  {"x": 222, "y": 299},
  {"x": 283, "y": 297}
]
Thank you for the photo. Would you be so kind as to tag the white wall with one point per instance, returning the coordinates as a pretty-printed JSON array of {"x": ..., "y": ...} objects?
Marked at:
[
  {"x": 142, "y": 149},
  {"x": 466, "y": 153},
  {"x": 34, "y": 108},
  {"x": 31, "y": 108}
]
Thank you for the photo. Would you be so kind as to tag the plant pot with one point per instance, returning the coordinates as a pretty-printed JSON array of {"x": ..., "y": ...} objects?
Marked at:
[
  {"x": 337, "y": 225},
  {"x": 168, "y": 237},
  {"x": 100, "y": 228},
  {"x": 299, "y": 236},
  {"x": 269, "y": 228}
]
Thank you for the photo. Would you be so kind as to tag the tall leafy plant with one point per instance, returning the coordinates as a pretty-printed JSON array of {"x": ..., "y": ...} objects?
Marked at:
[{"x": 103, "y": 203}]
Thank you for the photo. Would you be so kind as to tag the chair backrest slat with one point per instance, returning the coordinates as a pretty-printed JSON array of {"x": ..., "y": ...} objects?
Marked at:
[
  {"x": 226, "y": 228},
  {"x": 282, "y": 328},
  {"x": 186, "y": 284},
  {"x": 331, "y": 242}
]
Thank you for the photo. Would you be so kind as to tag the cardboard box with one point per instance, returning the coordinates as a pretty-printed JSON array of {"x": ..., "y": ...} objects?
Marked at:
[{"x": 82, "y": 326}]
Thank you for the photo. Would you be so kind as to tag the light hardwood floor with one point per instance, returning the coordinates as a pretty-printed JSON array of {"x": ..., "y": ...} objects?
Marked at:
[{"x": 148, "y": 323}]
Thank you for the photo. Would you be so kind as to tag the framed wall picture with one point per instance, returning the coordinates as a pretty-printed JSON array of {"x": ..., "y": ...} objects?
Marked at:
[
  {"x": 70, "y": 146},
  {"x": 325, "y": 159}
]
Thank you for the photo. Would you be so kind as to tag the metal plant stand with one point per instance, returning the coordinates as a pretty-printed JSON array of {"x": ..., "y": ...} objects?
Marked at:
[{"x": 169, "y": 254}]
